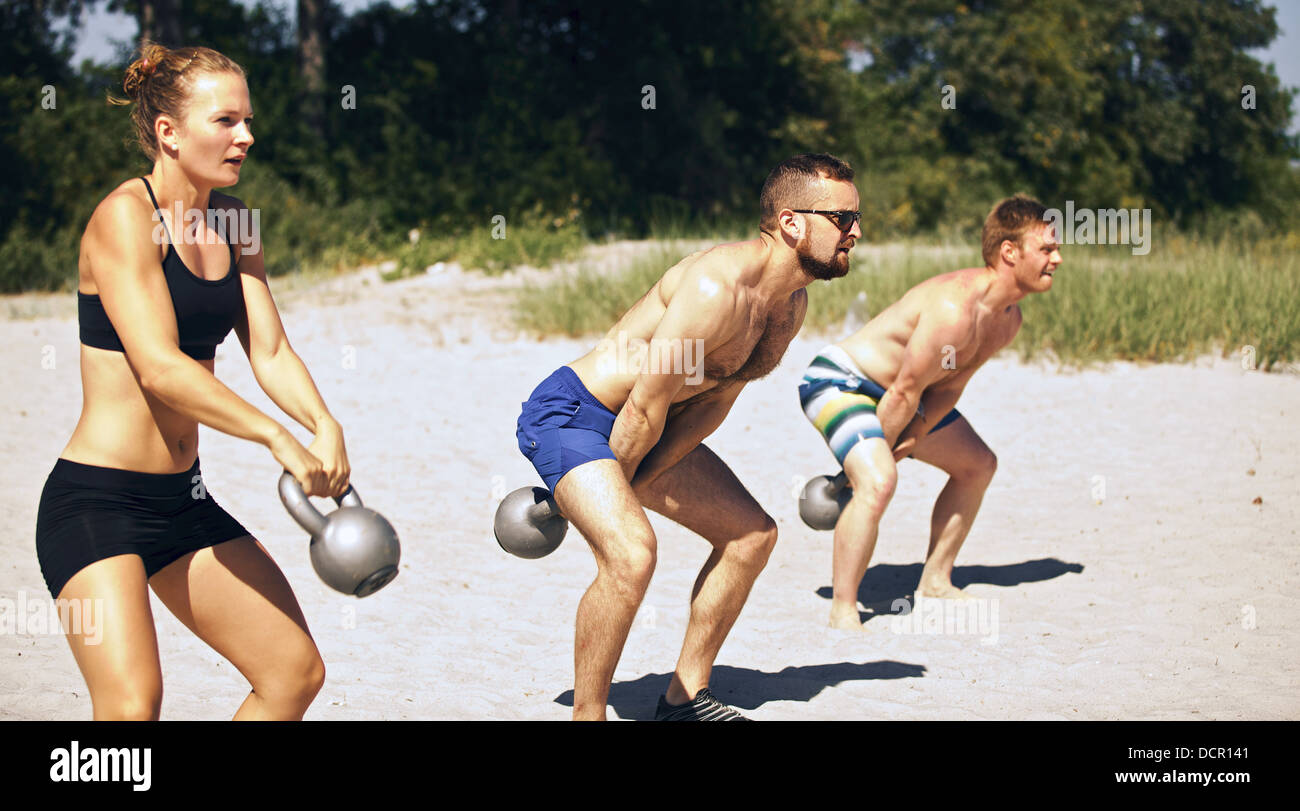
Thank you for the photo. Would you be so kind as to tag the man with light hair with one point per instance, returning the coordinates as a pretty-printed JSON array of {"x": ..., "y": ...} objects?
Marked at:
[{"x": 887, "y": 392}]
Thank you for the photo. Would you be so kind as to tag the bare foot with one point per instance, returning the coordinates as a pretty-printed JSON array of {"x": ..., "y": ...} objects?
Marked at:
[
  {"x": 944, "y": 591},
  {"x": 844, "y": 617}
]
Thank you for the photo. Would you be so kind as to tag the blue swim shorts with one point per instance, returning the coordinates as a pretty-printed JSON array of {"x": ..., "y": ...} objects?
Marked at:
[{"x": 562, "y": 426}]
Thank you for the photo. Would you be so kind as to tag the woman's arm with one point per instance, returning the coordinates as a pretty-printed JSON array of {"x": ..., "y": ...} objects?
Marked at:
[
  {"x": 276, "y": 366},
  {"x": 124, "y": 264}
]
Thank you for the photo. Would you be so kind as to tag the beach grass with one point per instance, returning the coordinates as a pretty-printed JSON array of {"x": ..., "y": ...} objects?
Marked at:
[
  {"x": 1190, "y": 296},
  {"x": 591, "y": 299}
]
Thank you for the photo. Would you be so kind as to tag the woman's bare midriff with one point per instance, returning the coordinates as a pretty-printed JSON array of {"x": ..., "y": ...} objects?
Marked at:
[{"x": 122, "y": 427}]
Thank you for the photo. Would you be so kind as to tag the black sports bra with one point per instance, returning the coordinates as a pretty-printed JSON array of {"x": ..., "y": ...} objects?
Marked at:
[{"x": 206, "y": 311}]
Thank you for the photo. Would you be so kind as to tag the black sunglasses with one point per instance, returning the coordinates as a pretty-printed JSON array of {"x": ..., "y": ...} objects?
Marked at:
[{"x": 838, "y": 218}]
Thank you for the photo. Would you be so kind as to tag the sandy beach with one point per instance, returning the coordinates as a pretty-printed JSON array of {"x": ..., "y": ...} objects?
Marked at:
[{"x": 1137, "y": 555}]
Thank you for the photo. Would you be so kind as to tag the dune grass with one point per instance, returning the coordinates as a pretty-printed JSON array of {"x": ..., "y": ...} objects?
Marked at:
[
  {"x": 592, "y": 299},
  {"x": 1188, "y": 297},
  {"x": 493, "y": 247}
]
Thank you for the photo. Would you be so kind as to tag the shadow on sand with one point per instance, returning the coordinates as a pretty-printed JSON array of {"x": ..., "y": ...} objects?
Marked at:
[
  {"x": 748, "y": 689},
  {"x": 886, "y": 582}
]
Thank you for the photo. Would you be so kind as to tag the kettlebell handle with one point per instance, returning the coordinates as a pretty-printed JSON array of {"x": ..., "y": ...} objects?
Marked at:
[
  {"x": 301, "y": 508},
  {"x": 543, "y": 510},
  {"x": 837, "y": 483}
]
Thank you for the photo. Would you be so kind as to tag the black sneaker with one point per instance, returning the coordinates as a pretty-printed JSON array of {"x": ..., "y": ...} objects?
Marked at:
[{"x": 704, "y": 708}]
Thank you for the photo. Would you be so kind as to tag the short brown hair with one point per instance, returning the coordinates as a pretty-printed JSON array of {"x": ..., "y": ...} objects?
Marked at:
[
  {"x": 1011, "y": 219},
  {"x": 790, "y": 185},
  {"x": 159, "y": 83}
]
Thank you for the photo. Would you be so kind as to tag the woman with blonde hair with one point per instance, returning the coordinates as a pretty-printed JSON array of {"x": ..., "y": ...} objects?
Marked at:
[{"x": 161, "y": 283}]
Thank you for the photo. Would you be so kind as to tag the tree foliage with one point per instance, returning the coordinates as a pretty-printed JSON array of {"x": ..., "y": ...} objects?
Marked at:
[{"x": 626, "y": 116}]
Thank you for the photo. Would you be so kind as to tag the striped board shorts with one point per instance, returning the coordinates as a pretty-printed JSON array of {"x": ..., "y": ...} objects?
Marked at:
[{"x": 840, "y": 401}]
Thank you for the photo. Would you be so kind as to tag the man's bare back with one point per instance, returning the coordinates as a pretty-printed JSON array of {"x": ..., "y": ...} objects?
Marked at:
[
  {"x": 957, "y": 298},
  {"x": 759, "y": 328}
]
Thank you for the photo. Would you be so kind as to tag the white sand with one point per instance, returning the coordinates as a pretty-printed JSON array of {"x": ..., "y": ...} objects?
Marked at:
[{"x": 1170, "y": 599}]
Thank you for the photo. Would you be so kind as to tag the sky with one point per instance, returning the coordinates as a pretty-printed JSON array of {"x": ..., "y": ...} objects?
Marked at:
[
  {"x": 101, "y": 30},
  {"x": 1284, "y": 53}
]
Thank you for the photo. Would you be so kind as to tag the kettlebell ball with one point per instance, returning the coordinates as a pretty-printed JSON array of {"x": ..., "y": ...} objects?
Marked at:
[
  {"x": 354, "y": 549},
  {"x": 528, "y": 523},
  {"x": 823, "y": 499}
]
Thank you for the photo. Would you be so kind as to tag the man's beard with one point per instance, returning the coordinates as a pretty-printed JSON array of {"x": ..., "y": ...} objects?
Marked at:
[{"x": 818, "y": 269}]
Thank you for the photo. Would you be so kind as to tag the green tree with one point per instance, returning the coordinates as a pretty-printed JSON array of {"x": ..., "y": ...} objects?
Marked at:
[{"x": 1123, "y": 103}]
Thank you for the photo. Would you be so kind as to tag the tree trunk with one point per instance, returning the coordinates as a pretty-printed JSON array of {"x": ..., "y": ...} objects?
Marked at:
[
  {"x": 160, "y": 21},
  {"x": 311, "y": 62}
]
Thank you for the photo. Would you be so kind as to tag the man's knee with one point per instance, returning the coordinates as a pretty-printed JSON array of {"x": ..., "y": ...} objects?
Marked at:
[
  {"x": 982, "y": 466},
  {"x": 874, "y": 488},
  {"x": 755, "y": 546},
  {"x": 632, "y": 563}
]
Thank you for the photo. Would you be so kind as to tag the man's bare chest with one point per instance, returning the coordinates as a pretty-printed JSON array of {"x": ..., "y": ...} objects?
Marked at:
[{"x": 753, "y": 354}]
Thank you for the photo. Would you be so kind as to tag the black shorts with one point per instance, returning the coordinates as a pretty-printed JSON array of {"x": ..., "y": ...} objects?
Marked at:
[{"x": 89, "y": 513}]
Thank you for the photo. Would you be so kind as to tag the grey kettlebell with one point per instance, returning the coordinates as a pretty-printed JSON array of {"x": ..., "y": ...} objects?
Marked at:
[
  {"x": 354, "y": 550},
  {"x": 823, "y": 500},
  {"x": 528, "y": 523}
]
